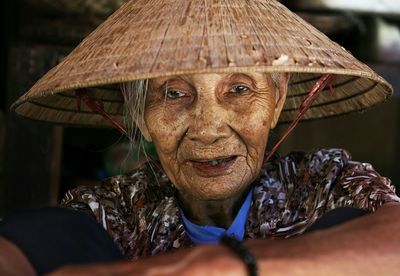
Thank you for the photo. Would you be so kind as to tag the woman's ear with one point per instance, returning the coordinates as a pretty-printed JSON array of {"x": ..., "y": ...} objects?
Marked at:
[{"x": 281, "y": 91}]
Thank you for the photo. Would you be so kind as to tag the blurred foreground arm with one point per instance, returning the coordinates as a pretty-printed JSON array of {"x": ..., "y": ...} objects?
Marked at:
[
  {"x": 12, "y": 261},
  {"x": 369, "y": 245}
]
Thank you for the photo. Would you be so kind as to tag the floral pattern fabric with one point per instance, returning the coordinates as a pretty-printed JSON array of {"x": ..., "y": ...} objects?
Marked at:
[{"x": 140, "y": 211}]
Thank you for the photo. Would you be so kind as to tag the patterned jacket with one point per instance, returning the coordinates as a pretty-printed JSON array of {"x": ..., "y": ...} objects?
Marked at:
[{"x": 140, "y": 211}]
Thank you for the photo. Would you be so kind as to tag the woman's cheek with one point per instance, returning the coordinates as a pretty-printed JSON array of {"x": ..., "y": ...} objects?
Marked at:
[
  {"x": 165, "y": 139},
  {"x": 166, "y": 135}
]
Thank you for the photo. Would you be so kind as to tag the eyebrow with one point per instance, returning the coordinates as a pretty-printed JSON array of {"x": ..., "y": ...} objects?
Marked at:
[
  {"x": 164, "y": 83},
  {"x": 242, "y": 75}
]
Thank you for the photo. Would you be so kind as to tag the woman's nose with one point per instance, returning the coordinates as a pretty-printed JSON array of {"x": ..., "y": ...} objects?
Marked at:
[{"x": 208, "y": 125}]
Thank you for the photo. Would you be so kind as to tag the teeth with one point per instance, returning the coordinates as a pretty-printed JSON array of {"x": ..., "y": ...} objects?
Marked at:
[
  {"x": 216, "y": 162},
  {"x": 213, "y": 162}
]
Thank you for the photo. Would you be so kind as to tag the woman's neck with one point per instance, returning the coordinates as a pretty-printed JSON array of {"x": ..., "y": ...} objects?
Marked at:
[{"x": 219, "y": 213}]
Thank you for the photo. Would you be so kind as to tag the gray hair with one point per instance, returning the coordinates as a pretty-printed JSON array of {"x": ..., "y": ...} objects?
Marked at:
[{"x": 134, "y": 94}]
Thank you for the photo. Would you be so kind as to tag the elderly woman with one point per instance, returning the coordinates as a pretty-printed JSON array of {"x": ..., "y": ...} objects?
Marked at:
[{"x": 206, "y": 82}]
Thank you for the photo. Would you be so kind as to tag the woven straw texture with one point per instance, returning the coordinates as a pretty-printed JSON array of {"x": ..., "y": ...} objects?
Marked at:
[{"x": 151, "y": 38}]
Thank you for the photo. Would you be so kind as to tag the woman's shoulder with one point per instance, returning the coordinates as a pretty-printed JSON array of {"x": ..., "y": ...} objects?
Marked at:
[
  {"x": 334, "y": 173},
  {"x": 298, "y": 188},
  {"x": 126, "y": 206},
  {"x": 326, "y": 178},
  {"x": 144, "y": 186},
  {"x": 307, "y": 166}
]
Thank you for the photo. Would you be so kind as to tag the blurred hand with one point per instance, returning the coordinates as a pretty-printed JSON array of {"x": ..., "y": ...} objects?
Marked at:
[
  {"x": 199, "y": 260},
  {"x": 13, "y": 261},
  {"x": 369, "y": 245}
]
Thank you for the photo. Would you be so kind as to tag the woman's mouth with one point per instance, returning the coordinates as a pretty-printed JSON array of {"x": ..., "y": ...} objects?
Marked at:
[{"x": 213, "y": 167}]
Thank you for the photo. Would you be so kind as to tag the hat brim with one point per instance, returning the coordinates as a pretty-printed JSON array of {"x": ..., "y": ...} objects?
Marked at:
[{"x": 142, "y": 42}]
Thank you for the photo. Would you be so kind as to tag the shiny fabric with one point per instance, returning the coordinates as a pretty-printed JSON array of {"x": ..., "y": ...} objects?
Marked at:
[{"x": 140, "y": 211}]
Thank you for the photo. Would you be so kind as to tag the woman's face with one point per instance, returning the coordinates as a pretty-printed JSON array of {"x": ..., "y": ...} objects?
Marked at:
[{"x": 211, "y": 130}]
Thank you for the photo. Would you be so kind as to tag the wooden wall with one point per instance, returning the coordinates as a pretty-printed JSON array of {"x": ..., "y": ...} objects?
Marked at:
[{"x": 32, "y": 151}]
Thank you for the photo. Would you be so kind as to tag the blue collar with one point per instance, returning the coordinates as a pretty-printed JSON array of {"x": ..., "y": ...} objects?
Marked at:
[{"x": 212, "y": 234}]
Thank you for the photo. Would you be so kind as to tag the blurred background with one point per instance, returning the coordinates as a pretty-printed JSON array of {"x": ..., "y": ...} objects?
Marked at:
[{"x": 39, "y": 162}]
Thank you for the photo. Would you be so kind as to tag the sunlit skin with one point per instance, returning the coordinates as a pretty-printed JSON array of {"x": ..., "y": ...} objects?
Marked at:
[{"x": 193, "y": 119}]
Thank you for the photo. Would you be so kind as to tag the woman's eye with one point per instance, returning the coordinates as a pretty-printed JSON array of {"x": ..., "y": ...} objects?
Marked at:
[
  {"x": 174, "y": 94},
  {"x": 239, "y": 89}
]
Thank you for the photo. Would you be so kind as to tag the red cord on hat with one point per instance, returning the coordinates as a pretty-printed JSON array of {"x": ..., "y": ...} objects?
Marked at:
[
  {"x": 82, "y": 95},
  {"x": 98, "y": 107},
  {"x": 326, "y": 79}
]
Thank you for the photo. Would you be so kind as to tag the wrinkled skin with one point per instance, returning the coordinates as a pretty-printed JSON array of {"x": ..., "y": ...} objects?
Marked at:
[{"x": 197, "y": 118}]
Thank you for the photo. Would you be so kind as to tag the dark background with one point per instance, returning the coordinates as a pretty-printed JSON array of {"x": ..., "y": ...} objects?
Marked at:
[{"x": 39, "y": 161}]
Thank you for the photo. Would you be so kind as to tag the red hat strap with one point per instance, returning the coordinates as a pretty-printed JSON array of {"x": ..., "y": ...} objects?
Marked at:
[
  {"x": 326, "y": 79},
  {"x": 82, "y": 95}
]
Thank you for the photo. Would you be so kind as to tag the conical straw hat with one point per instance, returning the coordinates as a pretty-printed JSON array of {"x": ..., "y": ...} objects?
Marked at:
[{"x": 152, "y": 38}]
